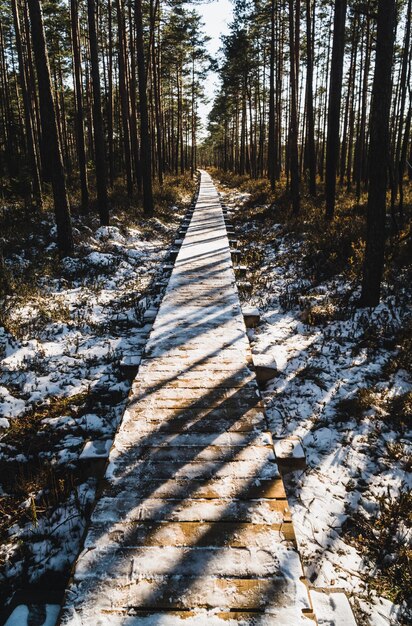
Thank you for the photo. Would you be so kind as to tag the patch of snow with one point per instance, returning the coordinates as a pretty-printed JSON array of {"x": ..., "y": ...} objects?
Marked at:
[
  {"x": 9, "y": 405},
  {"x": 24, "y": 615},
  {"x": 72, "y": 335}
]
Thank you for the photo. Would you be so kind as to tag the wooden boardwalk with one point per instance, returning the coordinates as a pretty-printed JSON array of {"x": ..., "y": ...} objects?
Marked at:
[{"x": 193, "y": 523}]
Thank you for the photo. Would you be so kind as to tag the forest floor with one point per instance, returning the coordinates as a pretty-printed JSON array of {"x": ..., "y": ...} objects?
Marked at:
[
  {"x": 344, "y": 383},
  {"x": 66, "y": 329},
  {"x": 343, "y": 386}
]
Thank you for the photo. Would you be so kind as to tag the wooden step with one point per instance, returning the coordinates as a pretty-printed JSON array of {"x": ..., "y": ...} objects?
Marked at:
[
  {"x": 125, "y": 466},
  {"x": 177, "y": 592},
  {"x": 131, "y": 509},
  {"x": 229, "y": 534},
  {"x": 212, "y": 489},
  {"x": 200, "y": 617}
]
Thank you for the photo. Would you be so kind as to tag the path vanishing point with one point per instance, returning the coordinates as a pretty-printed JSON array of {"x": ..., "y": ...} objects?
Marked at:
[{"x": 193, "y": 525}]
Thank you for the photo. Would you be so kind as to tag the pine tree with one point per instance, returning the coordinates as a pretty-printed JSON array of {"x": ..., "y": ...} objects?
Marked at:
[
  {"x": 50, "y": 131},
  {"x": 378, "y": 154}
]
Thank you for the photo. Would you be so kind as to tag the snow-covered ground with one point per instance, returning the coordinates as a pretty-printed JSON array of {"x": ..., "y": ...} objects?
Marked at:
[
  {"x": 336, "y": 390},
  {"x": 62, "y": 348}
]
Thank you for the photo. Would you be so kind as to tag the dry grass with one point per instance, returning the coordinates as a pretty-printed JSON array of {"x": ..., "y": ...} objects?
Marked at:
[
  {"x": 26, "y": 232},
  {"x": 382, "y": 538},
  {"x": 356, "y": 406},
  {"x": 28, "y": 438},
  {"x": 27, "y": 475},
  {"x": 330, "y": 247}
]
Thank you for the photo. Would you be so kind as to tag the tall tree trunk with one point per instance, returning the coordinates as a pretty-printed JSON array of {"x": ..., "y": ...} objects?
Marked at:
[
  {"x": 158, "y": 117},
  {"x": 49, "y": 131},
  {"x": 81, "y": 151},
  {"x": 311, "y": 154},
  {"x": 180, "y": 121},
  {"x": 109, "y": 102},
  {"x": 335, "y": 93},
  {"x": 410, "y": 164},
  {"x": 402, "y": 162},
  {"x": 146, "y": 149},
  {"x": 31, "y": 86},
  {"x": 193, "y": 123},
  {"x": 293, "y": 122},
  {"x": 361, "y": 143},
  {"x": 272, "y": 128},
  {"x": 322, "y": 109},
  {"x": 9, "y": 131},
  {"x": 99, "y": 143},
  {"x": 124, "y": 100},
  {"x": 242, "y": 154},
  {"x": 403, "y": 89},
  {"x": 133, "y": 105},
  {"x": 348, "y": 103},
  {"x": 378, "y": 154},
  {"x": 31, "y": 149}
]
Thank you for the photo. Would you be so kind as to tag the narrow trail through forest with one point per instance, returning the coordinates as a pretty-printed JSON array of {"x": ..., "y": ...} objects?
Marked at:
[{"x": 193, "y": 522}]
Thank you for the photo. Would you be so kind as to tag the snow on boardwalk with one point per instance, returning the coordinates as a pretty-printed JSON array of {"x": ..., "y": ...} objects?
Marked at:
[{"x": 193, "y": 524}]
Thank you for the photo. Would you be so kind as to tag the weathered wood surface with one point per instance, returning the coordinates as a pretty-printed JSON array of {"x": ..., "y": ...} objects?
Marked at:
[{"x": 193, "y": 523}]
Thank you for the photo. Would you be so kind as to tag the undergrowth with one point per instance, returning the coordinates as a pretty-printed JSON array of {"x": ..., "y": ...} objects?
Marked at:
[
  {"x": 41, "y": 476},
  {"x": 321, "y": 264},
  {"x": 384, "y": 539},
  {"x": 329, "y": 247},
  {"x": 28, "y": 471},
  {"x": 25, "y": 231}
]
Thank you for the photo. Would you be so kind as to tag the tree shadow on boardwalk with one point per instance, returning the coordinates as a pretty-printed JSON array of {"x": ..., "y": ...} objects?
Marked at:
[
  {"x": 225, "y": 416},
  {"x": 193, "y": 514}
]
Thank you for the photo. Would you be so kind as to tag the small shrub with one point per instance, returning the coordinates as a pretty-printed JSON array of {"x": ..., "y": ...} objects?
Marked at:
[
  {"x": 400, "y": 411},
  {"x": 402, "y": 360},
  {"x": 398, "y": 451},
  {"x": 319, "y": 314},
  {"x": 355, "y": 407},
  {"x": 384, "y": 540},
  {"x": 312, "y": 373}
]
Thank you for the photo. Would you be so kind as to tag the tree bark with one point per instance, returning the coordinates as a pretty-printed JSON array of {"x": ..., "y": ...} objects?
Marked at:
[
  {"x": 378, "y": 154},
  {"x": 146, "y": 149},
  {"x": 335, "y": 94},
  {"x": 49, "y": 131},
  {"x": 272, "y": 128},
  {"x": 293, "y": 122},
  {"x": 99, "y": 143},
  {"x": 109, "y": 102},
  {"x": 31, "y": 149},
  {"x": 124, "y": 100},
  {"x": 311, "y": 153},
  {"x": 398, "y": 167},
  {"x": 81, "y": 151}
]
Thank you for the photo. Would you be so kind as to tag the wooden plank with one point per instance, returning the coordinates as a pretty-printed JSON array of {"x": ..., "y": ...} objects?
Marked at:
[
  {"x": 229, "y": 534},
  {"x": 122, "y": 617},
  {"x": 181, "y": 396},
  {"x": 195, "y": 379},
  {"x": 130, "y": 508},
  {"x": 177, "y": 592},
  {"x": 187, "y": 454},
  {"x": 126, "y": 467},
  {"x": 134, "y": 563},
  {"x": 179, "y": 440},
  {"x": 236, "y": 404},
  {"x": 172, "y": 488},
  {"x": 175, "y": 421}
]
